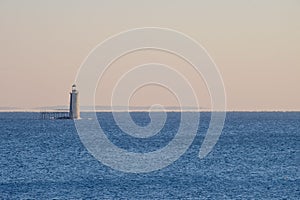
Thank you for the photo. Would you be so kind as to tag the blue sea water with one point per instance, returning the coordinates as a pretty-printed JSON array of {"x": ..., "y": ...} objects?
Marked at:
[{"x": 256, "y": 157}]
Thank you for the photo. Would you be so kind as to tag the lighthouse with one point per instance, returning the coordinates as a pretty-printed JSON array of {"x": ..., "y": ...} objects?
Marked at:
[{"x": 74, "y": 112}]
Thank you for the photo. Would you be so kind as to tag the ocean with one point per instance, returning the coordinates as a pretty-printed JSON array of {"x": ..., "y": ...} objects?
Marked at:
[{"x": 256, "y": 157}]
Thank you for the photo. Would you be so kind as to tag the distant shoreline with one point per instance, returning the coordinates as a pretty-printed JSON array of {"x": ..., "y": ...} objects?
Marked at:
[
  {"x": 101, "y": 108},
  {"x": 109, "y": 111}
]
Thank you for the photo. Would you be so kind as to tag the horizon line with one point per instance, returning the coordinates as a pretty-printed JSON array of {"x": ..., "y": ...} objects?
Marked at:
[{"x": 161, "y": 110}]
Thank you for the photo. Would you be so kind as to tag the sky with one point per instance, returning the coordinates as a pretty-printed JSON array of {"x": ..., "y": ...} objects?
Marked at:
[{"x": 254, "y": 43}]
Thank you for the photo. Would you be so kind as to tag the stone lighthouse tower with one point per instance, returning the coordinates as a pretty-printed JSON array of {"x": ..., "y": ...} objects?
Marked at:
[{"x": 74, "y": 104}]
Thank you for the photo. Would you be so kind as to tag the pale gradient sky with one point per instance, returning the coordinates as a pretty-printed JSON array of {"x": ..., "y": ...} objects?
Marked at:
[{"x": 255, "y": 43}]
